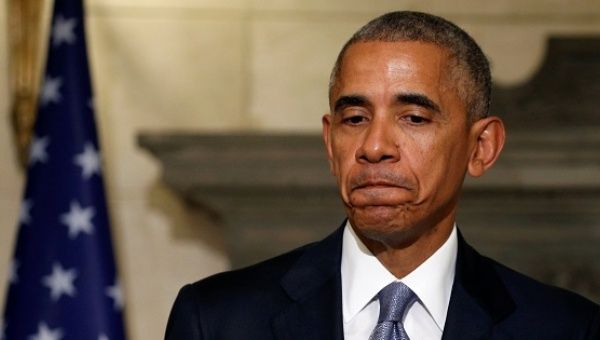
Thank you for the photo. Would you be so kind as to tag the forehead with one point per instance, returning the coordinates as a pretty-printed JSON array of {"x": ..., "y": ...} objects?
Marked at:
[{"x": 399, "y": 66}]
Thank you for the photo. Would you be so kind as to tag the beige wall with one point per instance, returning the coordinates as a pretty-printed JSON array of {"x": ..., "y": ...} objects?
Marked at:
[{"x": 222, "y": 65}]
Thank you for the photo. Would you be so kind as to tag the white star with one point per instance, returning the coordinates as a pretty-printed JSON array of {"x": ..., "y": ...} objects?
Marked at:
[
  {"x": 50, "y": 92},
  {"x": 103, "y": 337},
  {"x": 116, "y": 294},
  {"x": 45, "y": 333},
  {"x": 13, "y": 276},
  {"x": 63, "y": 31},
  {"x": 78, "y": 219},
  {"x": 25, "y": 212},
  {"x": 89, "y": 161},
  {"x": 37, "y": 150},
  {"x": 60, "y": 282}
]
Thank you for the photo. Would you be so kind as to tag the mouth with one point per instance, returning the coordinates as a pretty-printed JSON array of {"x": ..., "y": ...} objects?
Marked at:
[
  {"x": 377, "y": 185},
  {"x": 380, "y": 192}
]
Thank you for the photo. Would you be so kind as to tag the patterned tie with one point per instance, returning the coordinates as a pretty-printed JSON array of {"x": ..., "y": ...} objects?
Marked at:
[{"x": 394, "y": 300}]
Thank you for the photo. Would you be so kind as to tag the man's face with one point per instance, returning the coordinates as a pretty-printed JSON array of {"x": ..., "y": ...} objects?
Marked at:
[{"x": 398, "y": 140}]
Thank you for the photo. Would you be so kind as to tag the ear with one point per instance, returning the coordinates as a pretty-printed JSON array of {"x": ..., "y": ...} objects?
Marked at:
[
  {"x": 489, "y": 135},
  {"x": 326, "y": 121}
]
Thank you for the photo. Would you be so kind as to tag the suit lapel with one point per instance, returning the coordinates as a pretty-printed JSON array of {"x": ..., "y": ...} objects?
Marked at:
[
  {"x": 465, "y": 319},
  {"x": 479, "y": 299},
  {"x": 314, "y": 286}
]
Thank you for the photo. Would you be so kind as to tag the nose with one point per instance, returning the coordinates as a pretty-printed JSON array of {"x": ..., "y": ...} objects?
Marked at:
[{"x": 379, "y": 144}]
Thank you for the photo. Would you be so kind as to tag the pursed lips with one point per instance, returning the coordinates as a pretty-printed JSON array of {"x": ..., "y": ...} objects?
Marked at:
[
  {"x": 374, "y": 184},
  {"x": 379, "y": 193},
  {"x": 378, "y": 184}
]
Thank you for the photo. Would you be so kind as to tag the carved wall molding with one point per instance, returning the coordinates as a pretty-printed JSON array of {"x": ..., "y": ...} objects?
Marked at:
[
  {"x": 274, "y": 192},
  {"x": 537, "y": 210},
  {"x": 563, "y": 91},
  {"x": 25, "y": 28}
]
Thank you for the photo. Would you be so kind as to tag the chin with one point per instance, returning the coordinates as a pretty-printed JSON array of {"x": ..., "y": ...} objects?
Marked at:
[{"x": 388, "y": 225}]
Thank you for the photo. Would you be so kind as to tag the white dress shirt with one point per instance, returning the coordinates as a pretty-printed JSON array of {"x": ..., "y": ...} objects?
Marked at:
[{"x": 363, "y": 276}]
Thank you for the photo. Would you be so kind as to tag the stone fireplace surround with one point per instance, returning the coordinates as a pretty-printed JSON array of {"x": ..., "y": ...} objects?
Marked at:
[{"x": 537, "y": 210}]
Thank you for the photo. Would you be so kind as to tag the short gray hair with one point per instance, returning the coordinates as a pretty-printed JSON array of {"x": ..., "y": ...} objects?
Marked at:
[{"x": 471, "y": 68}]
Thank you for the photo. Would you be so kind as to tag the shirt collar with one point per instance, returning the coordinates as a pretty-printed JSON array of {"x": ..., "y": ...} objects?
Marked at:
[{"x": 363, "y": 276}]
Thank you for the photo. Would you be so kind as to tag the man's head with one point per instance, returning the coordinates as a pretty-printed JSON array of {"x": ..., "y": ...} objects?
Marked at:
[
  {"x": 470, "y": 68},
  {"x": 408, "y": 119}
]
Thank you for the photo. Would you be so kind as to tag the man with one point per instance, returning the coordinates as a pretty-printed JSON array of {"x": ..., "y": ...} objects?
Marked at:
[{"x": 409, "y": 99}]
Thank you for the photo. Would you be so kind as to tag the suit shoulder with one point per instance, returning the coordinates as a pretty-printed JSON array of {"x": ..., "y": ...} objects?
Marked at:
[
  {"x": 527, "y": 292},
  {"x": 558, "y": 306},
  {"x": 260, "y": 278},
  {"x": 528, "y": 288},
  {"x": 243, "y": 299}
]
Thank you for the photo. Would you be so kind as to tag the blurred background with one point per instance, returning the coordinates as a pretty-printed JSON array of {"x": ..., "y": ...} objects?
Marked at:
[{"x": 171, "y": 75}]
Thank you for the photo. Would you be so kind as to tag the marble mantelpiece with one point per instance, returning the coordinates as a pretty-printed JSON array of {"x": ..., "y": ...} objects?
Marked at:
[{"x": 538, "y": 210}]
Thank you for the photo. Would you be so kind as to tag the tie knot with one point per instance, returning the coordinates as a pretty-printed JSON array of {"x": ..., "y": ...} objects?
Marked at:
[{"x": 394, "y": 300}]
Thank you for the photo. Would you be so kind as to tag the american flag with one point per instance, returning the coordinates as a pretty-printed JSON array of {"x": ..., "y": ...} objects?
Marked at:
[{"x": 63, "y": 282}]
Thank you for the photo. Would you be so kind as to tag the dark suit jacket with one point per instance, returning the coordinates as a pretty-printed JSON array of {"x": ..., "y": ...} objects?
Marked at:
[{"x": 298, "y": 296}]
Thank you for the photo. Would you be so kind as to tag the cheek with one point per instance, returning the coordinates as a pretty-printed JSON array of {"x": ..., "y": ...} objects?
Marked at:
[
  {"x": 343, "y": 155},
  {"x": 435, "y": 160},
  {"x": 343, "y": 163},
  {"x": 420, "y": 151},
  {"x": 344, "y": 172}
]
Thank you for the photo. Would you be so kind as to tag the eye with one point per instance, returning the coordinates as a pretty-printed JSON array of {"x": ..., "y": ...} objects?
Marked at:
[
  {"x": 355, "y": 120},
  {"x": 416, "y": 120}
]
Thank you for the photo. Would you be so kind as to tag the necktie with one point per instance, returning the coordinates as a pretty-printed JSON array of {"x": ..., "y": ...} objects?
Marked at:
[{"x": 394, "y": 300}]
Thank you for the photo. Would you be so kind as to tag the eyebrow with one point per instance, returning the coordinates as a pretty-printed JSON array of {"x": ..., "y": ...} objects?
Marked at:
[
  {"x": 350, "y": 100},
  {"x": 402, "y": 98},
  {"x": 419, "y": 100}
]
